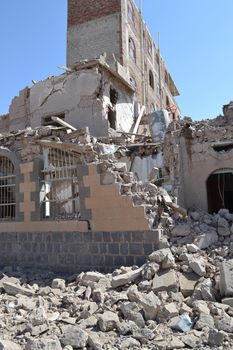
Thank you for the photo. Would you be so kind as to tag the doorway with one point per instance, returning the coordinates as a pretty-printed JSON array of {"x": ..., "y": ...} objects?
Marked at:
[{"x": 220, "y": 190}]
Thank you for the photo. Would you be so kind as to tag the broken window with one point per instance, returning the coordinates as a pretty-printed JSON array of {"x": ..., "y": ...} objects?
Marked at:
[
  {"x": 220, "y": 190},
  {"x": 59, "y": 195},
  {"x": 112, "y": 109},
  {"x": 151, "y": 80},
  {"x": 132, "y": 49},
  {"x": 130, "y": 11},
  {"x": 223, "y": 147},
  {"x": 7, "y": 189},
  {"x": 47, "y": 120}
]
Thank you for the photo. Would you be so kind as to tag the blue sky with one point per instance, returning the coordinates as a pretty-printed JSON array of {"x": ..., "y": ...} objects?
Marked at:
[{"x": 195, "y": 38}]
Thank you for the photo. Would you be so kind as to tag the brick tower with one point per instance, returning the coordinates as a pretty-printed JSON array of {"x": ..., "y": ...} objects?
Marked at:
[{"x": 116, "y": 27}]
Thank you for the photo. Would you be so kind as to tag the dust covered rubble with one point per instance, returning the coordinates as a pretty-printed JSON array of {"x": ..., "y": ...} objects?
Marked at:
[{"x": 181, "y": 298}]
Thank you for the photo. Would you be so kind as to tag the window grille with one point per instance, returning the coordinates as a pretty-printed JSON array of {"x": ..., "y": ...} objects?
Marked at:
[
  {"x": 7, "y": 189},
  {"x": 59, "y": 195}
]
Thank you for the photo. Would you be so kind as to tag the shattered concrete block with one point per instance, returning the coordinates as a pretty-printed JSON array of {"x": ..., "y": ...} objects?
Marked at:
[
  {"x": 58, "y": 283},
  {"x": 165, "y": 282},
  {"x": 228, "y": 301},
  {"x": 206, "y": 240},
  {"x": 96, "y": 341},
  {"x": 108, "y": 321},
  {"x": 198, "y": 266},
  {"x": 9, "y": 345},
  {"x": 74, "y": 336},
  {"x": 223, "y": 227},
  {"x": 13, "y": 289},
  {"x": 187, "y": 283},
  {"x": 205, "y": 321},
  {"x": 224, "y": 324},
  {"x": 215, "y": 338},
  {"x": 125, "y": 278},
  {"x": 181, "y": 230},
  {"x": 131, "y": 311},
  {"x": 226, "y": 278},
  {"x": 44, "y": 344},
  {"x": 149, "y": 302}
]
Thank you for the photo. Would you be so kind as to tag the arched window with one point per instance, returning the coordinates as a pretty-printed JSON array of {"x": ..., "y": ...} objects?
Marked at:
[
  {"x": 130, "y": 11},
  {"x": 132, "y": 49},
  {"x": 7, "y": 189},
  {"x": 151, "y": 80}
]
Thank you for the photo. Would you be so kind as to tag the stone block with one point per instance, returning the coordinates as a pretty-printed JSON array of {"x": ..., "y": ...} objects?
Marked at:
[
  {"x": 187, "y": 283},
  {"x": 226, "y": 278},
  {"x": 166, "y": 281}
]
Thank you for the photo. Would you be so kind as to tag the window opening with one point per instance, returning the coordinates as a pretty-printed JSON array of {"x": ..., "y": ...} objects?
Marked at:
[
  {"x": 132, "y": 49},
  {"x": 7, "y": 189},
  {"x": 59, "y": 195},
  {"x": 47, "y": 120},
  {"x": 151, "y": 80},
  {"x": 220, "y": 190},
  {"x": 112, "y": 109}
]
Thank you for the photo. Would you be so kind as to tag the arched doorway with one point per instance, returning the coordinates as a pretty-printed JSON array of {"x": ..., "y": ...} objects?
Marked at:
[{"x": 220, "y": 190}]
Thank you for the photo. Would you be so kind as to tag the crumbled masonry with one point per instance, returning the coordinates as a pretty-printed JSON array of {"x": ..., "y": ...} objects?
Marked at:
[{"x": 181, "y": 298}]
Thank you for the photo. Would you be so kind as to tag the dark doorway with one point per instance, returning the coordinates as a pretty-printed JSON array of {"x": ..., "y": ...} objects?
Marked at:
[
  {"x": 220, "y": 191},
  {"x": 112, "y": 118}
]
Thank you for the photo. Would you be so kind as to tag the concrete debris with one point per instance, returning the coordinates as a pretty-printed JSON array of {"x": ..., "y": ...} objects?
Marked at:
[
  {"x": 185, "y": 303},
  {"x": 181, "y": 297}
]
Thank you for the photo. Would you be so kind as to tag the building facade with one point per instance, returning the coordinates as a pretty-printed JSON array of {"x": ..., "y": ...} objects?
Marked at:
[{"x": 116, "y": 28}]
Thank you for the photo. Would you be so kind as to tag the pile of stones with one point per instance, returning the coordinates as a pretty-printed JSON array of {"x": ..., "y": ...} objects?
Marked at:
[{"x": 181, "y": 298}]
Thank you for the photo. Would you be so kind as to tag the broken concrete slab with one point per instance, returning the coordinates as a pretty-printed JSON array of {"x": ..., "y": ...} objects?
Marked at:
[
  {"x": 187, "y": 282},
  {"x": 226, "y": 278},
  {"x": 165, "y": 281},
  {"x": 13, "y": 289}
]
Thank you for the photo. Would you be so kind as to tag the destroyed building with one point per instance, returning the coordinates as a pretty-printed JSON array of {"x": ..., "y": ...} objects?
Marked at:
[
  {"x": 117, "y": 28},
  {"x": 87, "y": 172},
  {"x": 198, "y": 162}
]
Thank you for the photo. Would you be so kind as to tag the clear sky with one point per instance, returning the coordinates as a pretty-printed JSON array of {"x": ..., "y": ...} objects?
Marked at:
[{"x": 196, "y": 39}]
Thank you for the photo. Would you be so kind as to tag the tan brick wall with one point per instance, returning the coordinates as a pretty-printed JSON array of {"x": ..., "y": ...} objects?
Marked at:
[
  {"x": 80, "y": 11},
  {"x": 110, "y": 211},
  {"x": 26, "y": 188}
]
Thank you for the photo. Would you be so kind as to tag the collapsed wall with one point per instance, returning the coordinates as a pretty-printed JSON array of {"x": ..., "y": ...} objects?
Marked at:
[
  {"x": 71, "y": 205},
  {"x": 198, "y": 162}
]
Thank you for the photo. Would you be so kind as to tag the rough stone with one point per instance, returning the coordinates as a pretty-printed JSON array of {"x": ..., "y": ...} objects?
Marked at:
[
  {"x": 165, "y": 281},
  {"x": 74, "y": 336},
  {"x": 226, "y": 278},
  {"x": 181, "y": 230},
  {"x": 223, "y": 227},
  {"x": 198, "y": 266},
  {"x": 13, "y": 289},
  {"x": 108, "y": 321},
  {"x": 187, "y": 283},
  {"x": 9, "y": 345},
  {"x": 44, "y": 344}
]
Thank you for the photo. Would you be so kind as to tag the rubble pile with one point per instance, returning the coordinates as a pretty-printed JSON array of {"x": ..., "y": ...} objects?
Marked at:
[{"x": 182, "y": 298}]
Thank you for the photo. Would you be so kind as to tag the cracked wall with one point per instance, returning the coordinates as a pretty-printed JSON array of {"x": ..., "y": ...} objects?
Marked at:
[
  {"x": 81, "y": 96},
  {"x": 194, "y": 151}
]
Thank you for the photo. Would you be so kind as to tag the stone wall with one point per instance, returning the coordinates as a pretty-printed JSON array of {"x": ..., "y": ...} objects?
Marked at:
[{"x": 72, "y": 252}]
